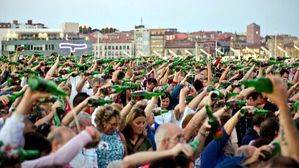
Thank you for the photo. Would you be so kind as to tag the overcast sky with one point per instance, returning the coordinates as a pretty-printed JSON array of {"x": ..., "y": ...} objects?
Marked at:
[{"x": 274, "y": 16}]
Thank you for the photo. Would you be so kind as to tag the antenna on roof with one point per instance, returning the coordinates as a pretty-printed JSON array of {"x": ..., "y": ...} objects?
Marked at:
[{"x": 141, "y": 21}]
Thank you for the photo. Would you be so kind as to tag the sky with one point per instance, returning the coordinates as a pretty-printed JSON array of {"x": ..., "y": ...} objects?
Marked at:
[{"x": 274, "y": 16}]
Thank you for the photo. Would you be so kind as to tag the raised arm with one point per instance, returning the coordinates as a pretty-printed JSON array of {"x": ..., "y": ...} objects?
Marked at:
[
  {"x": 66, "y": 153},
  {"x": 52, "y": 69},
  {"x": 68, "y": 118},
  {"x": 140, "y": 158},
  {"x": 288, "y": 132},
  {"x": 196, "y": 100},
  {"x": 194, "y": 123},
  {"x": 81, "y": 83}
]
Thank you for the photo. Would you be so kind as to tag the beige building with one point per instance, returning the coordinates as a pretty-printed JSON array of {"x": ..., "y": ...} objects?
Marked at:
[
  {"x": 157, "y": 41},
  {"x": 281, "y": 45}
]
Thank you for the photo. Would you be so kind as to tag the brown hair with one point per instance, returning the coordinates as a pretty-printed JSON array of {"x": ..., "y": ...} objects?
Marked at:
[
  {"x": 104, "y": 114},
  {"x": 137, "y": 111}
]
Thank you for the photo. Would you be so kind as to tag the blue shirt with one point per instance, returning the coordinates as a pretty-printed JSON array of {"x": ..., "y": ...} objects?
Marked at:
[
  {"x": 151, "y": 134},
  {"x": 214, "y": 152}
]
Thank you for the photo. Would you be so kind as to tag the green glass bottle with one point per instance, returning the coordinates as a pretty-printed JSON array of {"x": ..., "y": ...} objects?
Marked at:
[
  {"x": 295, "y": 106},
  {"x": 40, "y": 84},
  {"x": 260, "y": 84},
  {"x": 215, "y": 126},
  {"x": 27, "y": 154},
  {"x": 216, "y": 94},
  {"x": 276, "y": 150},
  {"x": 260, "y": 112},
  {"x": 14, "y": 63},
  {"x": 145, "y": 94},
  {"x": 59, "y": 80},
  {"x": 224, "y": 85},
  {"x": 29, "y": 71},
  {"x": 131, "y": 85},
  {"x": 256, "y": 111},
  {"x": 232, "y": 94},
  {"x": 210, "y": 88},
  {"x": 118, "y": 88},
  {"x": 160, "y": 112},
  {"x": 181, "y": 159},
  {"x": 108, "y": 69},
  {"x": 56, "y": 119},
  {"x": 12, "y": 98},
  {"x": 99, "y": 102},
  {"x": 236, "y": 104}
]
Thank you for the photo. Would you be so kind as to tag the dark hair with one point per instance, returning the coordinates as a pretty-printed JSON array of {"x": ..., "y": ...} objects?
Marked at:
[
  {"x": 224, "y": 118},
  {"x": 152, "y": 80},
  {"x": 269, "y": 128},
  {"x": 283, "y": 71},
  {"x": 254, "y": 95},
  {"x": 44, "y": 129},
  {"x": 166, "y": 95},
  {"x": 198, "y": 85},
  {"x": 257, "y": 120},
  {"x": 120, "y": 75},
  {"x": 282, "y": 162},
  {"x": 80, "y": 97},
  {"x": 180, "y": 161},
  {"x": 261, "y": 141},
  {"x": 36, "y": 141}
]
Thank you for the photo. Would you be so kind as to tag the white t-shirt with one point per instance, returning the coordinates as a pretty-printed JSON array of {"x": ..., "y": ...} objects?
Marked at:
[
  {"x": 187, "y": 111},
  {"x": 74, "y": 82},
  {"x": 169, "y": 117}
]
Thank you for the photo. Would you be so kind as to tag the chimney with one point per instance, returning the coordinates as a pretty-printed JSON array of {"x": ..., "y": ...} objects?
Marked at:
[
  {"x": 29, "y": 22},
  {"x": 15, "y": 22}
]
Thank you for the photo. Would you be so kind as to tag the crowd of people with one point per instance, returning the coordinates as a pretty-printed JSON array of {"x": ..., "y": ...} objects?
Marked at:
[{"x": 148, "y": 112}]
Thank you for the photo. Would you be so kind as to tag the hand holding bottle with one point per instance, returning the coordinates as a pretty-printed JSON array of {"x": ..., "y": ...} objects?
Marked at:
[
  {"x": 279, "y": 94},
  {"x": 182, "y": 147}
]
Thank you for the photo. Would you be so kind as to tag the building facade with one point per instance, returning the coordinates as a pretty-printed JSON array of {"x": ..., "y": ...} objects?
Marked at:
[
  {"x": 44, "y": 40},
  {"x": 141, "y": 41},
  {"x": 118, "y": 44},
  {"x": 157, "y": 41}
]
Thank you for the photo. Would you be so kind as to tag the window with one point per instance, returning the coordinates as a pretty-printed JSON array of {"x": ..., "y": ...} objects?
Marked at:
[
  {"x": 120, "y": 47},
  {"x": 46, "y": 47},
  {"x": 112, "y": 47},
  {"x": 116, "y": 47},
  {"x": 109, "y": 47},
  {"x": 52, "y": 46},
  {"x": 128, "y": 47},
  {"x": 105, "y": 47}
]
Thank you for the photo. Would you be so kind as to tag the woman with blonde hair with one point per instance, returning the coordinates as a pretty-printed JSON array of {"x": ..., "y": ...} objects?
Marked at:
[{"x": 112, "y": 144}]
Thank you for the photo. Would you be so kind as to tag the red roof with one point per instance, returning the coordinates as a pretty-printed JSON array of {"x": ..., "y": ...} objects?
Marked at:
[
  {"x": 181, "y": 36},
  {"x": 179, "y": 44}
]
